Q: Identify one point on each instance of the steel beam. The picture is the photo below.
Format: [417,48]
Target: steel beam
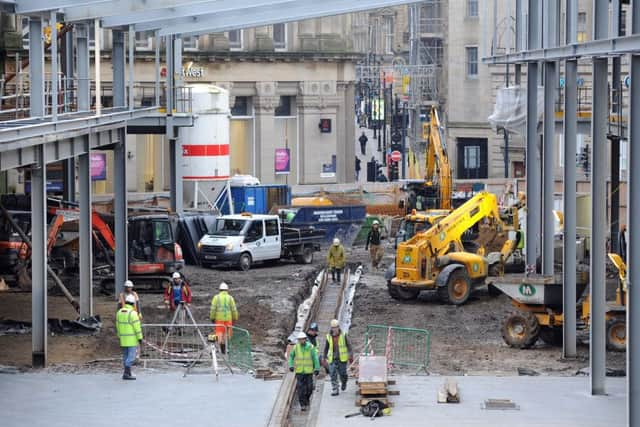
[26,7]
[594,48]
[39,261]
[54,65]
[295,10]
[548,148]
[534,202]
[36,68]
[598,225]
[86,232]
[118,60]
[570,212]
[120,210]
[82,47]
[633,219]
[131,45]
[147,16]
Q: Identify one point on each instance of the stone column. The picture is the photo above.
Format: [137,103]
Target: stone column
[263,151]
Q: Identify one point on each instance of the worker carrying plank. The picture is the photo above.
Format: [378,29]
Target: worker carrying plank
[304,361]
[223,313]
[337,352]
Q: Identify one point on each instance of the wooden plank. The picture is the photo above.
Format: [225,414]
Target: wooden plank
[373,384]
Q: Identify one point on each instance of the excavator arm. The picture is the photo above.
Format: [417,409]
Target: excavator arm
[438,169]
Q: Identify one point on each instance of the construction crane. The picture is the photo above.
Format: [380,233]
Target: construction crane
[436,259]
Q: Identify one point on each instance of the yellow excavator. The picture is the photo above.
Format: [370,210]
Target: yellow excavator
[436,259]
[434,192]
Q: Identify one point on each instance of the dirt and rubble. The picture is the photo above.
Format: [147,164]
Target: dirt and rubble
[464,340]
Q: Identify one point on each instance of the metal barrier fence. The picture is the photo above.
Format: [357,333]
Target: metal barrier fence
[404,347]
[190,343]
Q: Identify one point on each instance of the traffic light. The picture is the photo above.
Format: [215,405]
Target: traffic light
[393,171]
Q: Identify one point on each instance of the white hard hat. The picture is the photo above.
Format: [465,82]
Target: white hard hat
[130,299]
[376,222]
[335,323]
[128,284]
[302,336]
[176,275]
[336,241]
[223,287]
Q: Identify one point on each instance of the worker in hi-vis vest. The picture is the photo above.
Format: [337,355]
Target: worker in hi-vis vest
[223,313]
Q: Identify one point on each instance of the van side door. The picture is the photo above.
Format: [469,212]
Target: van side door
[273,245]
[254,240]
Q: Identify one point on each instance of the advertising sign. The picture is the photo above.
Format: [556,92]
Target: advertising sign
[283,161]
[98,166]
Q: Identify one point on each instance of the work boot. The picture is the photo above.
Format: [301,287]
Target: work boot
[303,408]
[344,386]
[335,392]
[127,374]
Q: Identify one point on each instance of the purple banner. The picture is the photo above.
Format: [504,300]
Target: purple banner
[283,161]
[98,166]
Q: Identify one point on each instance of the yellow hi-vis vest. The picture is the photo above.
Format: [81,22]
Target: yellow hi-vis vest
[223,308]
[304,358]
[342,348]
[128,326]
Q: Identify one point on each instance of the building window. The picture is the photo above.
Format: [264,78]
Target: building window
[241,106]
[430,17]
[144,40]
[472,8]
[472,158]
[280,36]
[388,35]
[285,107]
[623,22]
[235,39]
[518,169]
[190,43]
[582,27]
[472,62]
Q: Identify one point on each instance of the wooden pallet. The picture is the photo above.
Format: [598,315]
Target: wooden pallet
[362,401]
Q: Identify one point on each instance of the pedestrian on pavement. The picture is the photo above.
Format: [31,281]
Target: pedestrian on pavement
[336,259]
[373,244]
[178,293]
[363,143]
[312,334]
[304,361]
[128,290]
[358,168]
[223,313]
[129,333]
[336,354]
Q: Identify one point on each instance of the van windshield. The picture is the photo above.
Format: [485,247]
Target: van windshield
[229,227]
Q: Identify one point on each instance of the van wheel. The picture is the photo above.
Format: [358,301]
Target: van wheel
[245,262]
[306,257]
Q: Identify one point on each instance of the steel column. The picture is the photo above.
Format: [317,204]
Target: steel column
[69,179]
[168,42]
[96,57]
[599,118]
[571,21]
[82,41]
[177,65]
[519,27]
[534,201]
[175,171]
[85,228]
[36,68]
[633,241]
[600,19]
[617,134]
[534,27]
[132,44]
[120,209]
[39,260]
[548,148]
[118,60]
[54,65]
[156,41]
[67,69]
[570,212]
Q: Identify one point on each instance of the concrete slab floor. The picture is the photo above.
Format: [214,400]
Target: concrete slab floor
[543,401]
[154,399]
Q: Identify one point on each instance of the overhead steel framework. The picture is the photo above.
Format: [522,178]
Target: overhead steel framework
[544,51]
[53,132]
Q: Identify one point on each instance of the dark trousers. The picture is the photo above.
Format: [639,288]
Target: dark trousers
[335,271]
[363,148]
[305,388]
[336,367]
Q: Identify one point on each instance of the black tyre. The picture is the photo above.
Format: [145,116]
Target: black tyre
[306,257]
[520,329]
[402,294]
[493,291]
[551,335]
[458,288]
[617,334]
[245,262]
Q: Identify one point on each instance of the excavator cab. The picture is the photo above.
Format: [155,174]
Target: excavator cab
[152,246]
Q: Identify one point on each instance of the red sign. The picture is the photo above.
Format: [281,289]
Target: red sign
[396,156]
